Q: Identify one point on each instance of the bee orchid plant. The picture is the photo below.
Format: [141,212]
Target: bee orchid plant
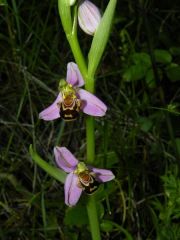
[72,99]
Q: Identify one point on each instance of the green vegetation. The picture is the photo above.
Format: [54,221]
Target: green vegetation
[138,139]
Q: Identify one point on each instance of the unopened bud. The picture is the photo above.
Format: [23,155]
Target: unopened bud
[89,17]
[71,2]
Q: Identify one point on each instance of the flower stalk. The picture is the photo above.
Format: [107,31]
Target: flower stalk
[90,158]
[88,73]
[71,99]
[79,58]
[93,218]
[70,29]
[90,140]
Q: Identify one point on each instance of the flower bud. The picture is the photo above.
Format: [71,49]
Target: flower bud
[71,2]
[89,17]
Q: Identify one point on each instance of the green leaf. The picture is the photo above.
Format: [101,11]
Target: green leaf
[109,226]
[100,209]
[3,2]
[134,73]
[100,38]
[141,58]
[145,123]
[173,73]
[162,56]
[175,51]
[150,79]
[76,216]
[111,159]
[65,15]
[105,190]
[173,108]
[53,171]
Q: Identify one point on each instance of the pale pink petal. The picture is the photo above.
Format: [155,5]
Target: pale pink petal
[103,175]
[52,112]
[71,189]
[74,76]
[89,17]
[91,105]
[65,159]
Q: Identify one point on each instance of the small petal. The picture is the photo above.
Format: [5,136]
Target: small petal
[103,175]
[89,17]
[52,112]
[65,159]
[74,76]
[71,189]
[91,104]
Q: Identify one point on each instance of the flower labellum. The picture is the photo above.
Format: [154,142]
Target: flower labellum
[72,99]
[89,17]
[70,106]
[80,177]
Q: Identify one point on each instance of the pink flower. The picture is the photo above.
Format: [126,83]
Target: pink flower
[72,99]
[81,177]
[89,17]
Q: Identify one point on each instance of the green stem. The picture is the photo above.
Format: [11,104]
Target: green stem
[71,34]
[90,84]
[90,139]
[93,219]
[76,50]
[70,28]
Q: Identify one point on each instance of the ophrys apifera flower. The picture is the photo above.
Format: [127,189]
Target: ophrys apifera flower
[72,99]
[80,176]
